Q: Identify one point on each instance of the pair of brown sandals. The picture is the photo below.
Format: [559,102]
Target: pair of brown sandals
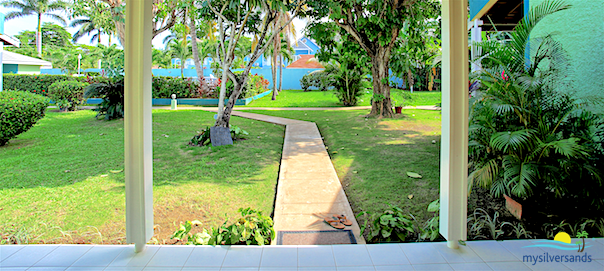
[339,222]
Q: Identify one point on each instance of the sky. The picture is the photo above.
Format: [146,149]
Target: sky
[15,26]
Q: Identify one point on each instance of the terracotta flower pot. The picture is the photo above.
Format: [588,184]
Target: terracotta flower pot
[513,206]
[398,109]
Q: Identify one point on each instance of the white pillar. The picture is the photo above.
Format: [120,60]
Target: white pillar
[454,146]
[476,37]
[1,65]
[137,124]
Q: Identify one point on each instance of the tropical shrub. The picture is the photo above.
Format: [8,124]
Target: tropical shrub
[35,83]
[112,93]
[528,139]
[164,87]
[19,111]
[252,228]
[315,80]
[255,85]
[67,95]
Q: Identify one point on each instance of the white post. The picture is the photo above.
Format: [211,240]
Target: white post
[79,59]
[138,124]
[454,146]
[1,65]
[476,38]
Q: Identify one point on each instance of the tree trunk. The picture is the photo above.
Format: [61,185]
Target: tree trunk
[198,66]
[274,73]
[39,35]
[280,72]
[228,109]
[98,39]
[381,104]
[120,27]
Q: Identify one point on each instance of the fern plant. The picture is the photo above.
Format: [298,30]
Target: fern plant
[112,93]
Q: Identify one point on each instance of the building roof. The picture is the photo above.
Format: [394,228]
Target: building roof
[498,15]
[8,40]
[14,58]
[305,63]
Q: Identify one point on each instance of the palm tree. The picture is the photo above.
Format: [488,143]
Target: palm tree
[86,28]
[38,8]
[289,30]
[287,53]
[520,137]
[181,50]
[582,235]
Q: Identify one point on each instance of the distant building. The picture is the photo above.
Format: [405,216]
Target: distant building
[5,40]
[21,64]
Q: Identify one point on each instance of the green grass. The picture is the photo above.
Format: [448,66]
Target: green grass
[57,185]
[372,156]
[299,98]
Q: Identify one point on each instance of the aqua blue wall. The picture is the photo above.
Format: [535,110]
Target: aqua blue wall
[10,68]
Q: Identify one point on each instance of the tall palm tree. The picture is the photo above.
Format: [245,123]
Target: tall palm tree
[38,8]
[289,31]
[180,50]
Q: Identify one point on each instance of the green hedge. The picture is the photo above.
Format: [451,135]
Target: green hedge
[19,111]
[67,95]
[165,86]
[38,83]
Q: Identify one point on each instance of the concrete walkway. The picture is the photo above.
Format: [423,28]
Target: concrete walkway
[308,188]
[237,108]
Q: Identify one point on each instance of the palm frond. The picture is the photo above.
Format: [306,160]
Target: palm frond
[513,141]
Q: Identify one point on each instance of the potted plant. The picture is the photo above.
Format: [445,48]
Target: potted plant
[401,99]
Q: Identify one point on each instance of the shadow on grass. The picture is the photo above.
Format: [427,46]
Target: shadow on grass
[67,148]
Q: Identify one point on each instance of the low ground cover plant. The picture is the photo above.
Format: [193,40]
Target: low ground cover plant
[19,111]
[67,95]
[252,228]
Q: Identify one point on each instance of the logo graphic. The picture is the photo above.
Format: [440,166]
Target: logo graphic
[562,241]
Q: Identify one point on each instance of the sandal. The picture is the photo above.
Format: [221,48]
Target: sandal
[334,223]
[343,220]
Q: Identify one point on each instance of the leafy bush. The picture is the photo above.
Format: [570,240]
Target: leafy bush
[255,85]
[315,79]
[528,139]
[112,93]
[19,111]
[390,226]
[38,83]
[67,95]
[164,87]
[252,228]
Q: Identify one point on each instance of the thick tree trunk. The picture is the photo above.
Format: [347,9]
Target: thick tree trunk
[198,67]
[381,104]
[228,109]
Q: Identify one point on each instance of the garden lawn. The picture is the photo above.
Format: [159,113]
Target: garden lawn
[63,180]
[372,157]
[315,98]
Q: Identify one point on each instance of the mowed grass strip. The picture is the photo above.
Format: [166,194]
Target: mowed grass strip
[63,180]
[315,98]
[372,157]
